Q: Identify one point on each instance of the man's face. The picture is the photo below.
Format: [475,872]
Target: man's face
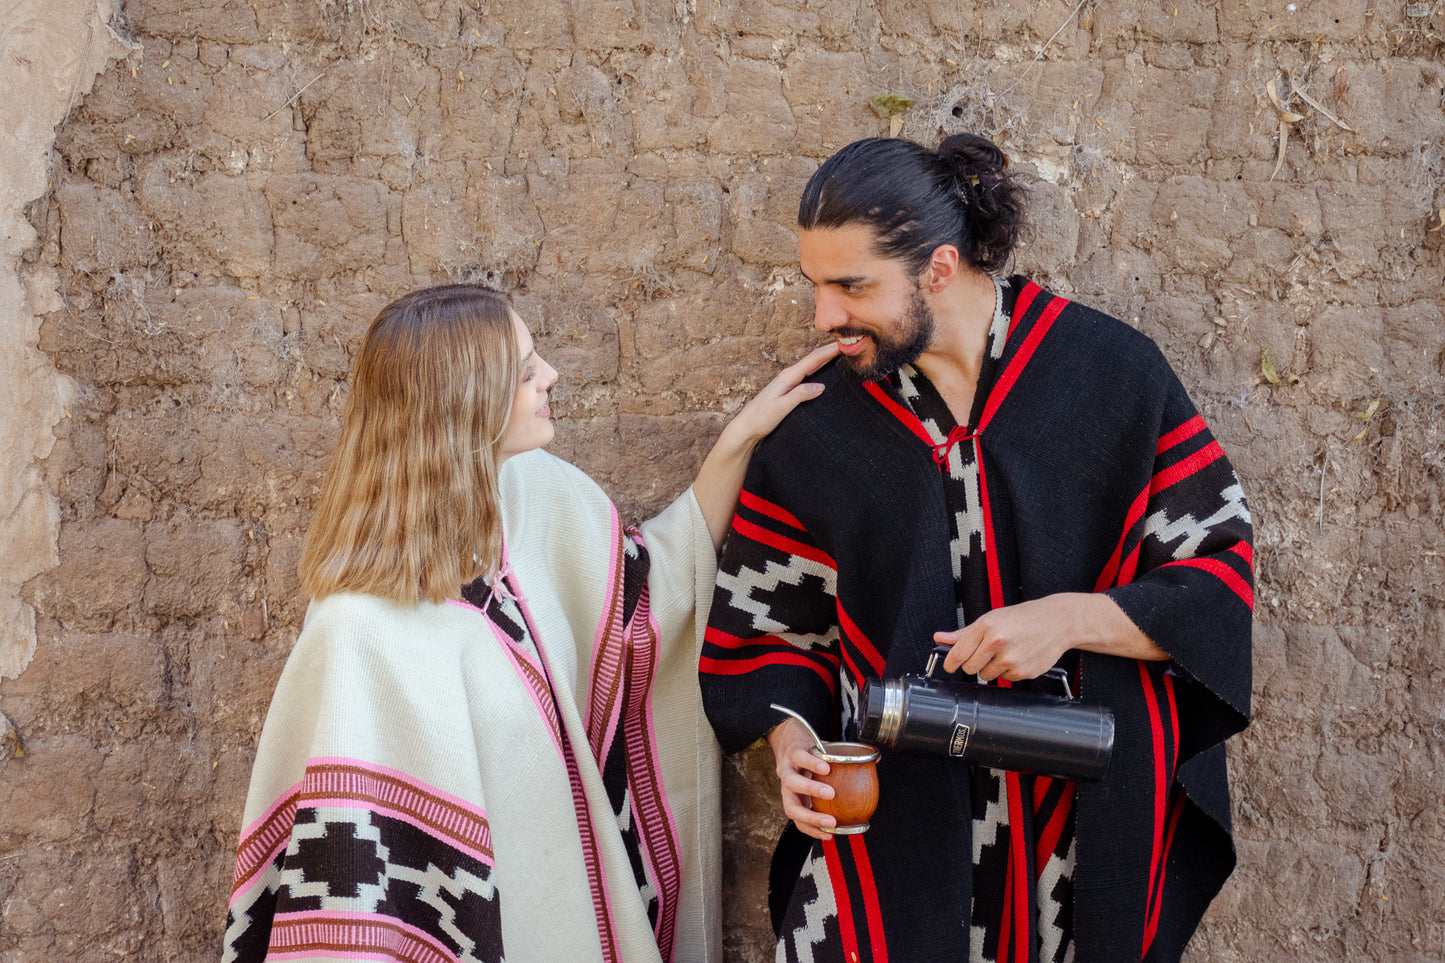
[870,304]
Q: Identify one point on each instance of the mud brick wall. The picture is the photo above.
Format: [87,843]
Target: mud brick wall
[250,180]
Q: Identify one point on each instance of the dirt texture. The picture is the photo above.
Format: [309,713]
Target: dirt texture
[253,179]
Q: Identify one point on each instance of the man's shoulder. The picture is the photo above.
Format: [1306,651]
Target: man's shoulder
[1088,339]
[1104,334]
[1107,361]
[834,377]
[823,417]
[810,430]
[1097,330]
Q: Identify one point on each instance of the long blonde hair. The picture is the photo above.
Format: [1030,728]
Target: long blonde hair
[409,507]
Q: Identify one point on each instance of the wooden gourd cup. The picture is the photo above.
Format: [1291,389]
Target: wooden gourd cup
[853,774]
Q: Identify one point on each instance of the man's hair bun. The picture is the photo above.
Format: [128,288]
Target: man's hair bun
[972,153]
[991,198]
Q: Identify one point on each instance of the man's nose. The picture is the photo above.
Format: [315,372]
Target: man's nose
[828,312]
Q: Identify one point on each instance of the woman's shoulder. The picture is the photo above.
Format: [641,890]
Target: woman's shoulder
[359,625]
[539,471]
[542,492]
[341,611]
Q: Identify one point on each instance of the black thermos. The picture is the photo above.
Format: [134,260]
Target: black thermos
[989,726]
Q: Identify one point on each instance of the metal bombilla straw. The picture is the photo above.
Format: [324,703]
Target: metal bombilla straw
[816,741]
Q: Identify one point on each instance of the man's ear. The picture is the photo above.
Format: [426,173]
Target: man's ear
[942,268]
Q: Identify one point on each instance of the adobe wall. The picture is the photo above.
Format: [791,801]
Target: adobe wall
[252,179]
[49,55]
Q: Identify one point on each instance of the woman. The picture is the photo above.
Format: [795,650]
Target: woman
[487,742]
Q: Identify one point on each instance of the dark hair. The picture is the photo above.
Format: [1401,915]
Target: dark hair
[915,199]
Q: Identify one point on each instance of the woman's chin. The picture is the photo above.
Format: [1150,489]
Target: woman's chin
[543,439]
[540,438]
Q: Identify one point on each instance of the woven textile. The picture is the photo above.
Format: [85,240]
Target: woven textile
[1096,473]
[523,776]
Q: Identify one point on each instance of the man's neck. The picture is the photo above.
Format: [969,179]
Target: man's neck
[963,313]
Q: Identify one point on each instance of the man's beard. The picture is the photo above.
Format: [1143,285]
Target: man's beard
[911,337]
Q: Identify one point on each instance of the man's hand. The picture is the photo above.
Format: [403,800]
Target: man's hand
[1023,641]
[791,752]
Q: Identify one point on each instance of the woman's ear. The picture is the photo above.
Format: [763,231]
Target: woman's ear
[942,269]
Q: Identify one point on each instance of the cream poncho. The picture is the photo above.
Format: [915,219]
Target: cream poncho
[427,789]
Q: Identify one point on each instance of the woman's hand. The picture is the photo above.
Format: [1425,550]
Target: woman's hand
[792,754]
[778,397]
[721,477]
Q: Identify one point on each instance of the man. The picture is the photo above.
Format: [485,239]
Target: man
[1025,479]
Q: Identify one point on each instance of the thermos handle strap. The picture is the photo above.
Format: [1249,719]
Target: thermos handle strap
[1062,674]
[935,660]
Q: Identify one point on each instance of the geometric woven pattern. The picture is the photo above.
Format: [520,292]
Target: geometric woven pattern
[999,849]
[624,663]
[1191,532]
[811,931]
[385,870]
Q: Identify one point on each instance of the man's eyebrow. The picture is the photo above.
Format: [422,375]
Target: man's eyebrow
[847,280]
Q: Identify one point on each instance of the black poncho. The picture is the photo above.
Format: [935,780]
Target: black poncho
[1097,474]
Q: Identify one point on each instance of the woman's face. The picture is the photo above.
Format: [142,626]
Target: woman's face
[531,423]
